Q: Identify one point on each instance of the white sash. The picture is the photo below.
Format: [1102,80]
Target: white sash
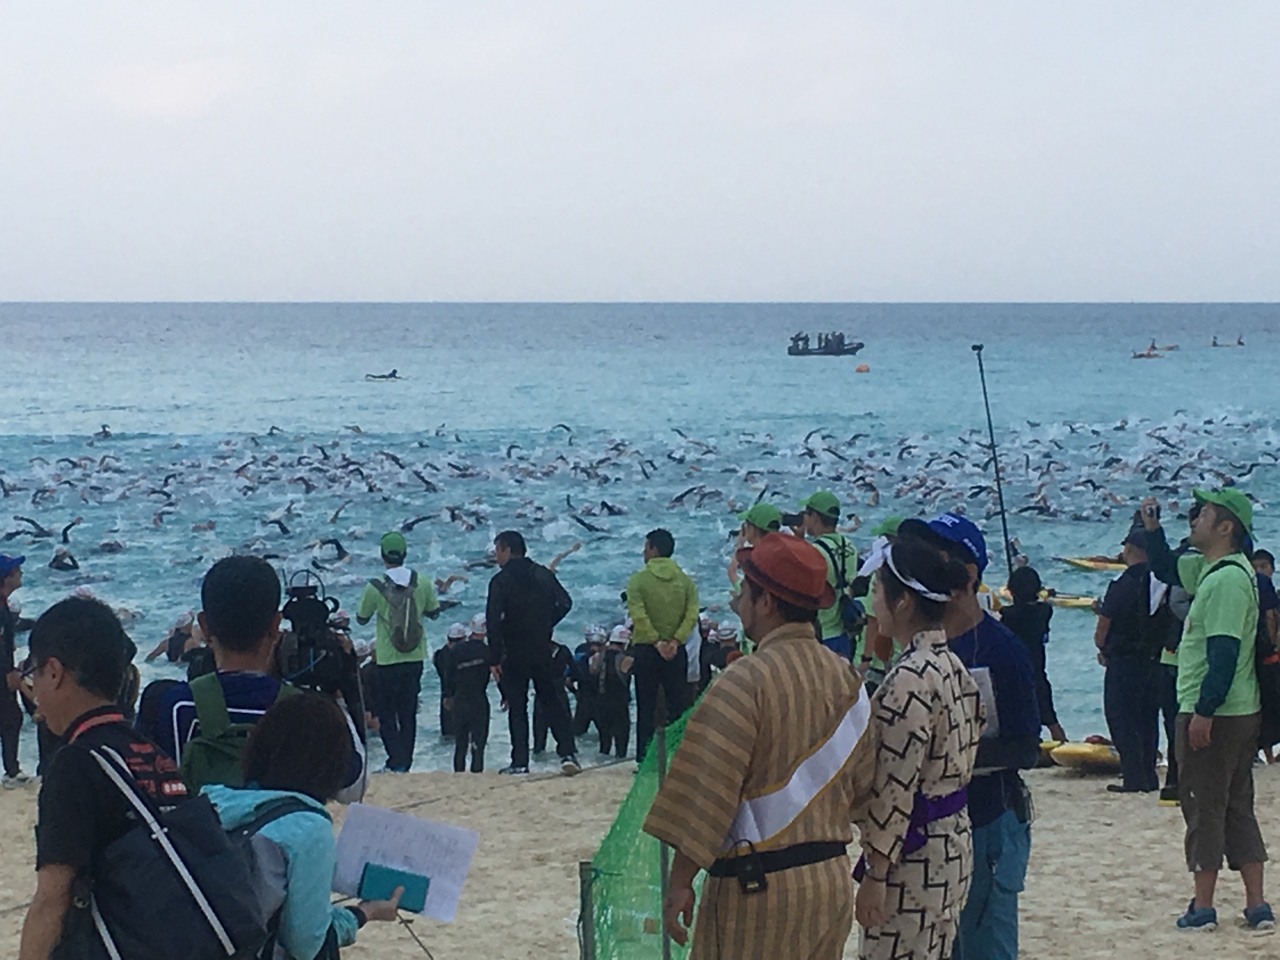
[763,818]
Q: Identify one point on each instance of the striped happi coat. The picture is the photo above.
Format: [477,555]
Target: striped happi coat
[792,704]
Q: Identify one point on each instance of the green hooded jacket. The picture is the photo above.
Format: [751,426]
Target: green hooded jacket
[662,602]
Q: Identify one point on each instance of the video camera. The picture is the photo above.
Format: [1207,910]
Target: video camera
[312,654]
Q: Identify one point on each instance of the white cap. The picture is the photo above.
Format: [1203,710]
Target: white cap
[479,625]
[456,631]
[727,633]
[620,634]
[595,632]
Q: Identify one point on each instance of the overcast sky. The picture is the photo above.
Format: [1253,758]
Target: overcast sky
[415,150]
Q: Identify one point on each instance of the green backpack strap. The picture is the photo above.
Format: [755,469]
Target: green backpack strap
[211,706]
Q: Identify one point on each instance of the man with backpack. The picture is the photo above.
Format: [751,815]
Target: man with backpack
[1129,647]
[1219,708]
[400,599]
[78,660]
[837,622]
[203,724]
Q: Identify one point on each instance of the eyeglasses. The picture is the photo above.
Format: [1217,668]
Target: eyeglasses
[28,673]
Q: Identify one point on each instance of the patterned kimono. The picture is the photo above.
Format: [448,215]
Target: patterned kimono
[744,770]
[926,719]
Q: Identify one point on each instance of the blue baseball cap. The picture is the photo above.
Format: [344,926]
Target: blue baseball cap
[955,529]
[8,564]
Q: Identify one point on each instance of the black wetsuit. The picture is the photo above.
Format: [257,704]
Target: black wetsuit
[562,669]
[613,703]
[587,696]
[440,660]
[10,712]
[467,670]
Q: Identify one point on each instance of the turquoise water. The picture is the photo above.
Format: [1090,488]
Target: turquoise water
[657,399]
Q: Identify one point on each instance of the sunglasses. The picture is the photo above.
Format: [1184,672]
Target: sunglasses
[31,671]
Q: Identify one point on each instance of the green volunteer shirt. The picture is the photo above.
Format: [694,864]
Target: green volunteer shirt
[372,602]
[829,619]
[1223,605]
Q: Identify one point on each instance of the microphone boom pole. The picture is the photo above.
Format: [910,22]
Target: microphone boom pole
[995,460]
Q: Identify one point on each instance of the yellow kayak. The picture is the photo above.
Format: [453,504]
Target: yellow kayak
[1093,563]
[1070,601]
[1088,757]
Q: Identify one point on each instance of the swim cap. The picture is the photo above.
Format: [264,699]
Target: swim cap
[456,631]
[479,625]
[620,634]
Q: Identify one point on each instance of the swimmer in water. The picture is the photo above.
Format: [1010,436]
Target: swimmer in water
[63,560]
[393,375]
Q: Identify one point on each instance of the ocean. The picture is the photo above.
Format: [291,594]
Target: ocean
[530,416]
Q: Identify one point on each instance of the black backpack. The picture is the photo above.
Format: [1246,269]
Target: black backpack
[853,615]
[175,885]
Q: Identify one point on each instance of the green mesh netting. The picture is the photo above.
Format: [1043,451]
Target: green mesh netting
[627,890]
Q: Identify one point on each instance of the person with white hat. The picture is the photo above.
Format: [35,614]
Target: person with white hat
[440,659]
[611,672]
[467,679]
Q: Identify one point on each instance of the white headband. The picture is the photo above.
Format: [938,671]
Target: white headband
[882,555]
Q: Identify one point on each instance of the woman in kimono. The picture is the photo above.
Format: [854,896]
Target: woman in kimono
[926,719]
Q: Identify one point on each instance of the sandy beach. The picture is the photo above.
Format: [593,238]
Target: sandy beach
[1106,876]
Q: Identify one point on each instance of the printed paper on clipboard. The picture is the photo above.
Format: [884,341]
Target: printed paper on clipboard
[401,841]
[987,691]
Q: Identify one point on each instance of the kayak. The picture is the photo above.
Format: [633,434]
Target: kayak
[1068,601]
[1087,757]
[1093,563]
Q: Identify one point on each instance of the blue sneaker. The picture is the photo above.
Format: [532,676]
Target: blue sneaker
[1260,917]
[1205,919]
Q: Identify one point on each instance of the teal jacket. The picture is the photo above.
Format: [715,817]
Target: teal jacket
[310,854]
[662,602]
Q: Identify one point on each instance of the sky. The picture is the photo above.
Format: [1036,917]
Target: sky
[689,151]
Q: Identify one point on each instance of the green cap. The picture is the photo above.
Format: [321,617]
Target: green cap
[393,545]
[823,502]
[763,515]
[887,528]
[1231,499]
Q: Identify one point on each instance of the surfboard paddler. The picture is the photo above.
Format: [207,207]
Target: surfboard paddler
[760,789]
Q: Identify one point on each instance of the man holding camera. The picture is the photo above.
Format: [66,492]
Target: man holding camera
[821,511]
[400,600]
[204,724]
[1219,707]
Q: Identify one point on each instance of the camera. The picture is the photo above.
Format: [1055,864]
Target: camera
[311,653]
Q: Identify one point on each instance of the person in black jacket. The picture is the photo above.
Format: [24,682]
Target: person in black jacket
[526,601]
[1028,617]
[1131,654]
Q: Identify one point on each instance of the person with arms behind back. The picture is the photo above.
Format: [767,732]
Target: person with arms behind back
[1218,700]
[295,761]
[78,654]
[663,605]
[399,599]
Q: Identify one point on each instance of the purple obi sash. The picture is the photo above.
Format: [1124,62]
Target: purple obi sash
[924,810]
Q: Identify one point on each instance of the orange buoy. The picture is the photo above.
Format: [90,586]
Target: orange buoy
[862,368]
